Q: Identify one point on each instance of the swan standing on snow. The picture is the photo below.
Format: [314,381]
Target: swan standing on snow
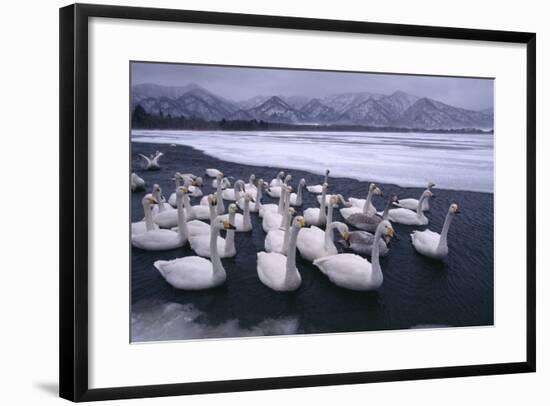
[226,247]
[272,220]
[257,201]
[318,188]
[369,223]
[242,222]
[296,198]
[278,181]
[317,216]
[196,273]
[277,240]
[142,226]
[409,217]
[364,206]
[151,163]
[353,272]
[412,204]
[159,239]
[432,244]
[278,271]
[136,183]
[275,191]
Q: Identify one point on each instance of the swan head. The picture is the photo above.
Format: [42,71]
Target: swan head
[233,208]
[334,200]
[299,222]
[220,224]
[197,181]
[289,189]
[147,201]
[248,198]
[342,228]
[292,211]
[302,182]
[212,200]
[428,194]
[181,191]
[280,174]
[288,178]
[327,172]
[454,209]
[430,185]
[394,199]
[386,228]
[252,178]
[375,189]
[262,183]
[219,176]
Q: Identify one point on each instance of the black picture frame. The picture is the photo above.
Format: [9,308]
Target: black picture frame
[74,170]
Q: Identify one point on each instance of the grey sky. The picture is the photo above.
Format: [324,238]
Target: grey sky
[243,83]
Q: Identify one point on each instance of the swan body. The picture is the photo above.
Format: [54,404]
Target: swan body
[367,222]
[412,204]
[409,217]
[197,227]
[169,218]
[147,224]
[278,271]
[275,191]
[277,240]
[213,173]
[314,243]
[159,239]
[278,181]
[254,208]
[317,189]
[241,222]
[136,183]
[432,244]
[234,193]
[362,242]
[201,243]
[196,273]
[317,216]
[351,271]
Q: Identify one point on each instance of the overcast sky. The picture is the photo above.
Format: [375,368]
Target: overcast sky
[243,83]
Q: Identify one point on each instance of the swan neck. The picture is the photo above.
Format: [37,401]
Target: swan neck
[443,237]
[323,208]
[367,202]
[282,200]
[214,255]
[287,234]
[375,256]
[290,275]
[419,211]
[258,197]
[247,224]
[386,210]
[148,217]
[329,244]
[230,236]
[182,225]
[329,212]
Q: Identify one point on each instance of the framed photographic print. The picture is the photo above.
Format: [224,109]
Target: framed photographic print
[256,202]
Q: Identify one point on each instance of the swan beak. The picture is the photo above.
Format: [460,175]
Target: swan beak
[346,236]
[457,210]
[390,232]
[228,226]
[302,222]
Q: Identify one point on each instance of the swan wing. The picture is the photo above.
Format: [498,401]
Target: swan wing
[410,204]
[146,158]
[157,240]
[271,268]
[311,215]
[349,271]
[274,241]
[311,243]
[201,245]
[189,273]
[315,189]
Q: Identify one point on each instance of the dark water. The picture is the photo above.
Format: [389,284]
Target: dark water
[417,291]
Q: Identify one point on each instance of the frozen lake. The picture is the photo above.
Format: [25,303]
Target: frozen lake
[452,161]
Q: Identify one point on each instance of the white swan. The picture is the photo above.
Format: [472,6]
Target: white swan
[196,273]
[272,220]
[275,191]
[273,208]
[254,208]
[159,239]
[296,198]
[191,184]
[169,218]
[213,173]
[225,183]
[318,188]
[151,163]
[432,244]
[234,193]
[278,181]
[340,199]
[370,222]
[317,216]
[242,222]
[142,226]
[411,204]
[220,207]
[353,272]
[364,206]
[409,217]
[316,243]
[250,187]
[162,205]
[278,271]
[197,227]
[136,183]
[226,247]
[277,240]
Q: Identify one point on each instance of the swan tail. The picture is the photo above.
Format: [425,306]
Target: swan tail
[160,267]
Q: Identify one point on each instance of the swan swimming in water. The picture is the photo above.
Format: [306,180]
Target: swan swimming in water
[160,239]
[234,193]
[220,206]
[275,191]
[409,217]
[278,271]
[272,220]
[278,181]
[136,183]
[198,227]
[354,272]
[151,163]
[250,187]
[432,244]
[274,208]
[296,198]
[319,188]
[142,226]
[317,216]
[411,204]
[370,222]
[277,240]
[226,247]
[193,272]
[258,200]
[241,222]
[364,206]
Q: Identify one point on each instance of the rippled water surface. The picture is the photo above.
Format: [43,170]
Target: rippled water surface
[417,291]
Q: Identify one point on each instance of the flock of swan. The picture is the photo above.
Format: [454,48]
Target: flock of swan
[173,223]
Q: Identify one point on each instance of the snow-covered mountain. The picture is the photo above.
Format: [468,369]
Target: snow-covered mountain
[398,109]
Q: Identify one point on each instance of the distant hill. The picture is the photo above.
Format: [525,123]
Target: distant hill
[397,110]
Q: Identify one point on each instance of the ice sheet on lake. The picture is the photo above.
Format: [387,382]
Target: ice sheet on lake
[452,161]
